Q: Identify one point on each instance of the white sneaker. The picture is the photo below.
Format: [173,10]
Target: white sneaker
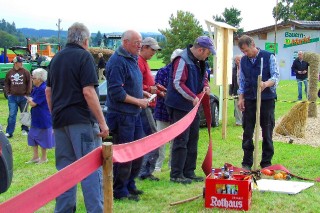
[8,135]
[157,169]
[24,132]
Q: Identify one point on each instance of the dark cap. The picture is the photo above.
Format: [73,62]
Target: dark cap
[206,42]
[17,59]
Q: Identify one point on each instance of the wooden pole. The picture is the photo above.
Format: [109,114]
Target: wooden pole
[225,84]
[107,177]
[256,136]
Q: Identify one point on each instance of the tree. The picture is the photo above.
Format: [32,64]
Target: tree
[96,41]
[308,10]
[7,40]
[297,10]
[184,29]
[232,17]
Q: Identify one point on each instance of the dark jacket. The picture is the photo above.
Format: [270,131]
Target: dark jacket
[300,66]
[123,77]
[251,73]
[233,89]
[102,63]
[195,71]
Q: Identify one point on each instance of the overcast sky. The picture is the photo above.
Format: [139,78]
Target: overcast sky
[120,15]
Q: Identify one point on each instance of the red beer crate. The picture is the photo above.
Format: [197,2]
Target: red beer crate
[228,194]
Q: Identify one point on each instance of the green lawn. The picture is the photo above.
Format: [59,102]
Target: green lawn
[301,160]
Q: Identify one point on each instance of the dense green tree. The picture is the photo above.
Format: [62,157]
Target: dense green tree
[232,17]
[297,10]
[308,10]
[184,28]
[7,40]
[96,41]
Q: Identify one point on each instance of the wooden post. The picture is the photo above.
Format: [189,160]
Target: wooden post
[107,177]
[225,83]
[223,39]
[256,136]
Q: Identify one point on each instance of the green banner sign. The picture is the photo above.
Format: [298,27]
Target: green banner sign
[271,47]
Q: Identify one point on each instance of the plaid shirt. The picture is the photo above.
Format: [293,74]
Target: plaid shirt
[160,111]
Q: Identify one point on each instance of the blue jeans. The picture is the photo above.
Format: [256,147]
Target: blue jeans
[72,143]
[305,81]
[149,159]
[15,101]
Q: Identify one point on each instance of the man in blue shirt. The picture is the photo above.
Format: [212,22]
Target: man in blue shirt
[250,66]
[125,99]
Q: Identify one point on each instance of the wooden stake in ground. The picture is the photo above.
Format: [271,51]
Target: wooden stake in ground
[256,135]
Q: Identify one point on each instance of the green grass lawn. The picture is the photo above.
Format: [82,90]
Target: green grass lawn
[302,160]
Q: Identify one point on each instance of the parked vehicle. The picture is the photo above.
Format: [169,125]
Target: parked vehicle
[214,105]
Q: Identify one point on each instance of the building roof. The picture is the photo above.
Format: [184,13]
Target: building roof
[295,24]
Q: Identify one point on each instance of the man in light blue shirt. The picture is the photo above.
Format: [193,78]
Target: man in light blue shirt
[250,69]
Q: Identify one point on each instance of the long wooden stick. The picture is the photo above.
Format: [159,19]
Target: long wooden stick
[256,136]
[185,201]
[107,177]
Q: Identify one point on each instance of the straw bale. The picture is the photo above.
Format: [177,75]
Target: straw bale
[95,51]
[314,61]
[294,123]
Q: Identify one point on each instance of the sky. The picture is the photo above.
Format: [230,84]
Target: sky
[109,16]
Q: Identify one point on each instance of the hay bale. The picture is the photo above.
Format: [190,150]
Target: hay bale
[95,51]
[314,61]
[294,123]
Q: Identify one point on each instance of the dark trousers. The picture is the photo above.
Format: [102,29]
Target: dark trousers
[184,147]
[125,128]
[267,125]
[149,127]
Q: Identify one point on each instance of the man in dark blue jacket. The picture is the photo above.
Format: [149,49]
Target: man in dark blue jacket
[187,79]
[125,99]
[250,68]
[300,67]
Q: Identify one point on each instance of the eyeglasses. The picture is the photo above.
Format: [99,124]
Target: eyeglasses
[137,43]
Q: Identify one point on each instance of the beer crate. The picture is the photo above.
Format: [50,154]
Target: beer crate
[232,194]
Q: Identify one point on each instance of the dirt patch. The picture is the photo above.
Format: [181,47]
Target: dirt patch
[312,134]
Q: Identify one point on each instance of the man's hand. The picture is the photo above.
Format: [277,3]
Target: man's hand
[143,103]
[195,101]
[241,103]
[104,131]
[206,90]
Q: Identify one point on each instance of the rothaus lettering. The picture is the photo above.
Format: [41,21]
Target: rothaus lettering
[224,203]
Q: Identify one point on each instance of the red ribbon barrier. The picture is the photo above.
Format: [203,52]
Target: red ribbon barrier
[207,162]
[42,193]
[37,196]
[130,151]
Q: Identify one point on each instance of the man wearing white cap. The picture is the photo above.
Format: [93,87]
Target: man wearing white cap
[149,47]
[187,79]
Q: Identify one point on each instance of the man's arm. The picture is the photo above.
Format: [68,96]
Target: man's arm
[93,102]
[48,97]
[274,72]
